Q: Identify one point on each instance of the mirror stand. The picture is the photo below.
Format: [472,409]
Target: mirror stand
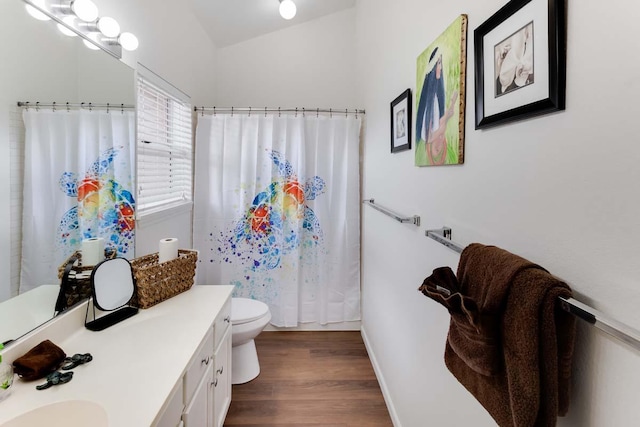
[108,319]
[112,286]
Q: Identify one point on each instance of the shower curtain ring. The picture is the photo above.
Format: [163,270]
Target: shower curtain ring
[68,110]
[303,111]
[37,105]
[345,113]
[265,111]
[203,111]
[317,113]
[107,108]
[249,111]
[26,104]
[296,111]
[331,113]
[278,111]
[356,110]
[53,106]
[121,108]
[90,107]
[231,111]
[214,111]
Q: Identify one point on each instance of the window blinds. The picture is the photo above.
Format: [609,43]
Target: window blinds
[164,155]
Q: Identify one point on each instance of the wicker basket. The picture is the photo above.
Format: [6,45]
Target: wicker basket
[79,277]
[156,282]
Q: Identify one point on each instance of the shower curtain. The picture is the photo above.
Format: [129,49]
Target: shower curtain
[78,183]
[276,213]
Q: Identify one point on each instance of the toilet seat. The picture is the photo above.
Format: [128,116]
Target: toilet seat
[245,310]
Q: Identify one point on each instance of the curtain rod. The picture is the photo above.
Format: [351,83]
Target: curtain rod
[265,110]
[589,314]
[68,105]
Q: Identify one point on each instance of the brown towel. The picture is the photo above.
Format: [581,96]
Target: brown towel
[514,353]
[40,361]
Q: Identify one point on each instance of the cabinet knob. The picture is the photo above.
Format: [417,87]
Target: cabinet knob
[206,361]
[227,319]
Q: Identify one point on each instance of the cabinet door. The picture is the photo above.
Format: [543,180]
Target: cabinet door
[222,380]
[198,412]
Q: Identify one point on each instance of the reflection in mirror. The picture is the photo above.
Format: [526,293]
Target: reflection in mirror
[43,65]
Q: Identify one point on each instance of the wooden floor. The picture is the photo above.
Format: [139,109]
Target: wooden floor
[310,379]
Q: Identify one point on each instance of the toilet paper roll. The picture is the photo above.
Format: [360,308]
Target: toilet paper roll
[168,249]
[92,251]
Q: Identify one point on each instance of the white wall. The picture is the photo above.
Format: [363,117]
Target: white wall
[307,65]
[555,189]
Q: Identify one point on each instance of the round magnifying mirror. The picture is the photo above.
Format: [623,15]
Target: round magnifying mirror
[112,283]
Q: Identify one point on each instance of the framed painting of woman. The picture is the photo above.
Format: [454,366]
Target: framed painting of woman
[440,100]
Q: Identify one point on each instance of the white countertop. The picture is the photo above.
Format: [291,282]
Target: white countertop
[136,363]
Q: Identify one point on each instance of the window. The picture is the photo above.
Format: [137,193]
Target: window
[164,146]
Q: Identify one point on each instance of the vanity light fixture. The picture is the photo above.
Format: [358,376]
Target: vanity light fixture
[128,41]
[81,18]
[287,9]
[108,26]
[85,10]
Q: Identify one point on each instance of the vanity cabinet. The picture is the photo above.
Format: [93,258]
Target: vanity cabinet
[205,389]
[172,363]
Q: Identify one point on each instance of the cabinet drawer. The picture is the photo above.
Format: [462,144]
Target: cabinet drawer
[222,322]
[198,366]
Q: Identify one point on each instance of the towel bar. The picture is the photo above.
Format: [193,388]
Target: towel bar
[413,219]
[589,314]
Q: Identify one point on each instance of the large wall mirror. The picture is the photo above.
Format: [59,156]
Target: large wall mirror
[40,64]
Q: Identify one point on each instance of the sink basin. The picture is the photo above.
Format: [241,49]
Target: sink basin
[68,413]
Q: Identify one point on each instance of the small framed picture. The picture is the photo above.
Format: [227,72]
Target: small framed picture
[520,62]
[401,122]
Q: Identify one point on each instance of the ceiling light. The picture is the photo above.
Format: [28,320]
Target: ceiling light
[128,41]
[108,26]
[86,10]
[64,30]
[287,9]
[35,12]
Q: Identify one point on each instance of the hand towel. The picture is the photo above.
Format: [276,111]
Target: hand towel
[40,361]
[514,354]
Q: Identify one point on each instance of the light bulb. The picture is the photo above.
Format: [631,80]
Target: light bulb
[64,30]
[287,9]
[35,12]
[128,41]
[108,26]
[89,44]
[85,10]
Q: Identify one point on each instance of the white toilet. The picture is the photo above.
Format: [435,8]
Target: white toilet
[248,318]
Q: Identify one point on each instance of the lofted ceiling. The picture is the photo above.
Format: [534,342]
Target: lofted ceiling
[232,21]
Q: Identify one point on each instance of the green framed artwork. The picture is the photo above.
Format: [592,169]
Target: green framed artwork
[440,101]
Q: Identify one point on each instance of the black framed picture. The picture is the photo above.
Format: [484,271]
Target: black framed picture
[520,62]
[401,122]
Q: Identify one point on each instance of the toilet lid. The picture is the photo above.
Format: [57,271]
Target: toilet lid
[244,310]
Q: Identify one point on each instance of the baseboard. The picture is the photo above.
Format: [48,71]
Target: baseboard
[313,326]
[381,381]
